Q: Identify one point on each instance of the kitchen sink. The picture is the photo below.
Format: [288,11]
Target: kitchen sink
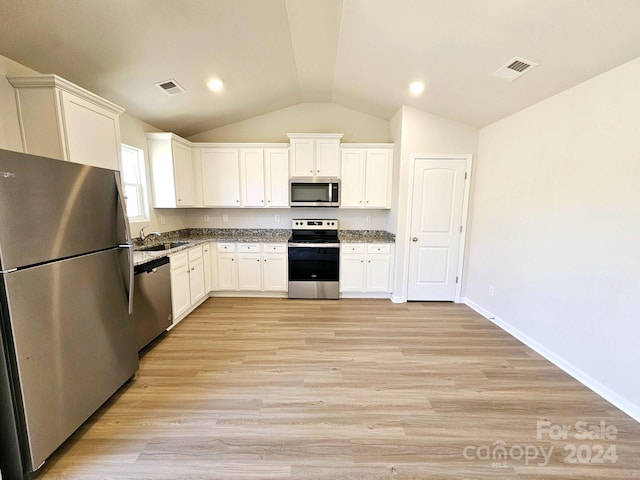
[161,247]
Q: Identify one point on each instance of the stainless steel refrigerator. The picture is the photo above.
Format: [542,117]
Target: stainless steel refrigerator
[65,295]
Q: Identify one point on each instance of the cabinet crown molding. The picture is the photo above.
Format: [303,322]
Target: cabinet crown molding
[54,81]
[315,135]
[367,145]
[168,136]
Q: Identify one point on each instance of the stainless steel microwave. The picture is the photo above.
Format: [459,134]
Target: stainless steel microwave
[317,192]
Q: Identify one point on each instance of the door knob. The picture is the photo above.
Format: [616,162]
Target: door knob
[414,239]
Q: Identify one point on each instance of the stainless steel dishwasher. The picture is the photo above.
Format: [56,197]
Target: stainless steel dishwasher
[152,300]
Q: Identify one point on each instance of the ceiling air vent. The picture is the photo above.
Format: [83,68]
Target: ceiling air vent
[170,87]
[514,69]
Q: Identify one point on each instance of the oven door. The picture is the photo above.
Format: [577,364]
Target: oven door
[314,270]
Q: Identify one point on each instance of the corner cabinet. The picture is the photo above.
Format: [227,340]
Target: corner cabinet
[61,120]
[315,154]
[366,175]
[172,171]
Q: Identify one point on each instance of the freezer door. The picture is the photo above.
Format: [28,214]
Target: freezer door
[50,209]
[73,344]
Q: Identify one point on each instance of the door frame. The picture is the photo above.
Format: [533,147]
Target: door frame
[465,210]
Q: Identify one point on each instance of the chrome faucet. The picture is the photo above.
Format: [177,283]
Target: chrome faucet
[143,237]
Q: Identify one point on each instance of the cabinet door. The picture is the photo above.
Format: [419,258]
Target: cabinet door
[378,178]
[249,272]
[352,273]
[220,177]
[352,178]
[92,133]
[378,273]
[183,174]
[196,272]
[180,289]
[276,162]
[206,260]
[214,267]
[227,271]
[327,157]
[252,177]
[302,155]
[274,272]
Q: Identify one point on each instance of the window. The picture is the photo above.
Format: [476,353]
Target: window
[134,182]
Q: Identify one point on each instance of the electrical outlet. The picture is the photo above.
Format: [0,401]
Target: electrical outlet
[225,217]
[206,219]
[492,290]
[368,218]
[162,220]
[276,219]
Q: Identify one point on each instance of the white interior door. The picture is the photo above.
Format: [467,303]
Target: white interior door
[436,224]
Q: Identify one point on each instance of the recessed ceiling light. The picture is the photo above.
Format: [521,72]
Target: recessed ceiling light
[416,88]
[215,85]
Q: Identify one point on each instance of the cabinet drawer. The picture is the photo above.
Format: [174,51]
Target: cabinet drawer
[379,248]
[226,247]
[179,261]
[194,254]
[249,247]
[274,248]
[352,248]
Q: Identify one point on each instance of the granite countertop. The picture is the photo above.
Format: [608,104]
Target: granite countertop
[366,236]
[196,236]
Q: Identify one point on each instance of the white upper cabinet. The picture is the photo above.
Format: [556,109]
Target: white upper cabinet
[315,155]
[276,178]
[172,171]
[245,175]
[220,176]
[366,174]
[61,120]
[252,177]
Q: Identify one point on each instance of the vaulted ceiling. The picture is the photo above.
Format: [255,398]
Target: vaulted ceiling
[360,54]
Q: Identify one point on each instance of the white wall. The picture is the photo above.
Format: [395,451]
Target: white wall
[302,118]
[132,133]
[556,230]
[420,133]
[10,138]
[349,219]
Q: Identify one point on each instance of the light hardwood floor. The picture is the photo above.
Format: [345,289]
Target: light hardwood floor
[348,389]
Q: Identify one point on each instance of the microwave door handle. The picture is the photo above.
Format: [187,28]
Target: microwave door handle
[330,197]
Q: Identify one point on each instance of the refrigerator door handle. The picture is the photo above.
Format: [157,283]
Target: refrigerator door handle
[128,245]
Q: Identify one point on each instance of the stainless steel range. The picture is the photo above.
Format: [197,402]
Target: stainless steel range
[314,259]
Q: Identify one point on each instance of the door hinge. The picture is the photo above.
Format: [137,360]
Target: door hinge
[456,279]
[460,228]
[465,175]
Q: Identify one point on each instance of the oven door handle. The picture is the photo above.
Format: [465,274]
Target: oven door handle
[315,245]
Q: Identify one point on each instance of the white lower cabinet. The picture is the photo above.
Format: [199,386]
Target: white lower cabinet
[226,271]
[275,263]
[180,289]
[206,260]
[365,267]
[251,267]
[187,281]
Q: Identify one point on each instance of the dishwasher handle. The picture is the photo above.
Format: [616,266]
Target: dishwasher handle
[152,266]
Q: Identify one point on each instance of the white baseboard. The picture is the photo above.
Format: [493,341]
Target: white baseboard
[244,293]
[386,295]
[627,406]
[398,299]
